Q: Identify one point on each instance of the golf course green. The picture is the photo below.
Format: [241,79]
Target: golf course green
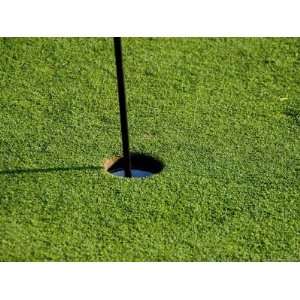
[221,114]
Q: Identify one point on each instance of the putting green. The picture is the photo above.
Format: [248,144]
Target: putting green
[223,115]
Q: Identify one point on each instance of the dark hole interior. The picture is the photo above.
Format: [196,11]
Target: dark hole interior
[142,165]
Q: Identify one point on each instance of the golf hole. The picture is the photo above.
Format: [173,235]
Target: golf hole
[142,166]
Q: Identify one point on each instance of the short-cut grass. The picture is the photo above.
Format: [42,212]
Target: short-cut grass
[223,115]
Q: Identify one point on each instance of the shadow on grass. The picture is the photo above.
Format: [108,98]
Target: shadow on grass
[294,114]
[50,170]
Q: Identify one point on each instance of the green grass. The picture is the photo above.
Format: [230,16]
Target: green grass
[222,114]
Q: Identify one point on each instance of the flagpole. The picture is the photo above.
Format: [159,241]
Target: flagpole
[122,106]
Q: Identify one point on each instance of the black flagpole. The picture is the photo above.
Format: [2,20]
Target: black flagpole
[122,105]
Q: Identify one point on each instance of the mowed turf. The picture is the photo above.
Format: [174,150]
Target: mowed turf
[222,114]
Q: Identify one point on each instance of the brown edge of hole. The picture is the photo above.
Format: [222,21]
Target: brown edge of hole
[141,161]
